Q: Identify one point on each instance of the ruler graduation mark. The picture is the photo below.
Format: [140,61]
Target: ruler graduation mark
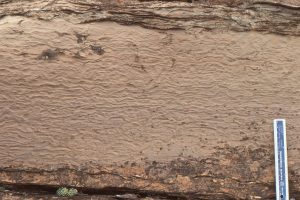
[281,170]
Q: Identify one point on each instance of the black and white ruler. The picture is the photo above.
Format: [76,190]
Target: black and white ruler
[281,166]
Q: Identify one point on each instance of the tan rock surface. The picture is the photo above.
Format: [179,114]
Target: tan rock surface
[170,97]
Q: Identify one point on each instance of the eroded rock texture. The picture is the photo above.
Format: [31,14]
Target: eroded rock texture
[170,97]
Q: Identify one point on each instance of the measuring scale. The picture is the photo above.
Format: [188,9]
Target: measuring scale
[281,169]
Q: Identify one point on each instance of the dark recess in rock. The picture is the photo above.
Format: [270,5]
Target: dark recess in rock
[48,54]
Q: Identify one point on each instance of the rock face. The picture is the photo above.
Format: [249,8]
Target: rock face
[169,97]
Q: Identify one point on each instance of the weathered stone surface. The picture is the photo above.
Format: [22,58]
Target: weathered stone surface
[175,97]
[269,16]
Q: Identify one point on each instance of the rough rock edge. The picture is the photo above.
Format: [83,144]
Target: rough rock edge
[264,16]
[231,173]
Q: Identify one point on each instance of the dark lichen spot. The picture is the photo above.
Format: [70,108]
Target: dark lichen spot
[245,138]
[97,49]
[154,163]
[80,37]
[49,54]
